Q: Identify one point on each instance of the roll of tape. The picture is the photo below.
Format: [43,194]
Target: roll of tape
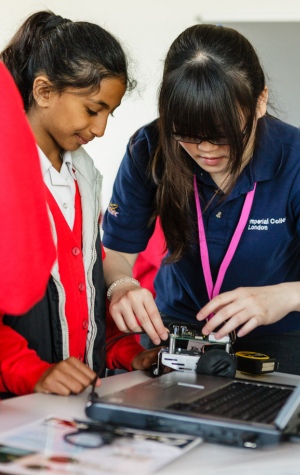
[253,362]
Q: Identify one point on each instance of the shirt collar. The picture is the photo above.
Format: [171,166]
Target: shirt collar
[46,164]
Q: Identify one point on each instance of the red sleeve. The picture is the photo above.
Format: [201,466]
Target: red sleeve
[148,261]
[21,368]
[103,252]
[121,348]
[27,250]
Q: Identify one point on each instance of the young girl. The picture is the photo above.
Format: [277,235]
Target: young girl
[224,177]
[72,76]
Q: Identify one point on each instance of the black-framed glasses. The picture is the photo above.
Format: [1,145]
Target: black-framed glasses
[198,140]
[91,435]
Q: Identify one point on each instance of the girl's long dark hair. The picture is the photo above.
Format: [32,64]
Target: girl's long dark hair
[71,54]
[212,76]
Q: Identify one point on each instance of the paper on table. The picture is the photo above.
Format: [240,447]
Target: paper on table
[40,448]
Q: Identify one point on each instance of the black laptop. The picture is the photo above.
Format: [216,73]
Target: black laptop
[235,412]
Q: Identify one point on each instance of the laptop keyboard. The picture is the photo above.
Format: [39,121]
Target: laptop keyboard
[240,400]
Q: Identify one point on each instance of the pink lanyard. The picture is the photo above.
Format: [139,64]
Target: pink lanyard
[212,289]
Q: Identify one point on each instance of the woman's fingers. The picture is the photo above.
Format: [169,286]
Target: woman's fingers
[246,308]
[136,311]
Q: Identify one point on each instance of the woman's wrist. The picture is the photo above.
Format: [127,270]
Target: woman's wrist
[119,282]
[291,290]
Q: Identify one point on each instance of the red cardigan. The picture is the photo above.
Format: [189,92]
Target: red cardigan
[21,367]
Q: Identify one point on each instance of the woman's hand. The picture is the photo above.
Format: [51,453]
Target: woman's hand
[70,376]
[134,310]
[248,307]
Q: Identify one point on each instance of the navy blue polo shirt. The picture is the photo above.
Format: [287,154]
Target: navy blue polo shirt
[269,249]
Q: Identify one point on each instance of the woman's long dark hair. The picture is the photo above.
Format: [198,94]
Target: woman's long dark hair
[212,76]
[71,54]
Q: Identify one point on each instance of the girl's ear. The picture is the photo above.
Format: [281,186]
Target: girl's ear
[261,107]
[42,91]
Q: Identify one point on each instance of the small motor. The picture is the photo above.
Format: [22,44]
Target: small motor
[191,351]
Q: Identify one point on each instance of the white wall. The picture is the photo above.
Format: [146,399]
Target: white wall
[146,30]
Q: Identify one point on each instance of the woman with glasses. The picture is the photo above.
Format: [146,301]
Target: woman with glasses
[224,178]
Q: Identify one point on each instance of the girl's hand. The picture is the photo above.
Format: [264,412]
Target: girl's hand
[248,307]
[148,358]
[70,376]
[145,359]
[134,310]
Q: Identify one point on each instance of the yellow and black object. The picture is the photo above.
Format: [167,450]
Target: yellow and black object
[253,362]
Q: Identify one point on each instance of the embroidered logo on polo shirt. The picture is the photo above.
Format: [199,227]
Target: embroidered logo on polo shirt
[112,209]
[263,224]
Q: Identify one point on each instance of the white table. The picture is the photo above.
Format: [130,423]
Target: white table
[206,459]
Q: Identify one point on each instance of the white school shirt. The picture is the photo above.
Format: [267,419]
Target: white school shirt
[61,184]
